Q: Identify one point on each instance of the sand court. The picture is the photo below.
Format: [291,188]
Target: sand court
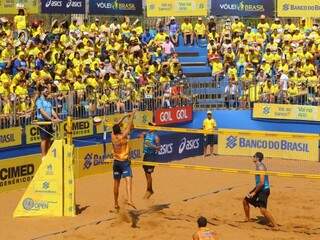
[181,196]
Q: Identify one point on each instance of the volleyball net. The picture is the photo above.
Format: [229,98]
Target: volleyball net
[286,154]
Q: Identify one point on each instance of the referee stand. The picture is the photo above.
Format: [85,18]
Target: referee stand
[51,192]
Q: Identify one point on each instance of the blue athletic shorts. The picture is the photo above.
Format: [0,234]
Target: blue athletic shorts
[121,169]
[148,158]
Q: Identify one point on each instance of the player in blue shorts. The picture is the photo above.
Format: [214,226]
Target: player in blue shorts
[151,145]
[258,197]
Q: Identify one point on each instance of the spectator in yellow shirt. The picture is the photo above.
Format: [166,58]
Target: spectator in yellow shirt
[200,30]
[160,37]
[237,26]
[209,125]
[308,67]
[292,93]
[290,26]
[20,20]
[94,27]
[21,90]
[268,56]
[73,26]
[276,25]
[217,69]
[267,92]
[249,35]
[187,32]
[263,24]
[248,76]
[266,67]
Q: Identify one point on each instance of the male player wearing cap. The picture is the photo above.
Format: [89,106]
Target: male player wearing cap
[151,145]
[209,125]
[258,197]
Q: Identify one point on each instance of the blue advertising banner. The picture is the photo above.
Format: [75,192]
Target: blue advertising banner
[179,146]
[116,7]
[63,6]
[244,8]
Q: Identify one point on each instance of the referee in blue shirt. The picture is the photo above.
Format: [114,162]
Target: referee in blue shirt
[45,112]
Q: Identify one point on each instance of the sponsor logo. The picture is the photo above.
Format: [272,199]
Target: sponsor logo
[266,110]
[180,115]
[144,118]
[92,159]
[285,7]
[231,142]
[174,115]
[7,138]
[31,204]
[166,149]
[69,3]
[291,7]
[79,128]
[16,174]
[45,188]
[74,4]
[282,145]
[188,145]
[53,3]
[152,6]
[116,5]
[165,117]
[243,6]
[45,185]
[49,171]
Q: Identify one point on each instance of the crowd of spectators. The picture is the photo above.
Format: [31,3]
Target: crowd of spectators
[108,66]
[273,62]
[117,65]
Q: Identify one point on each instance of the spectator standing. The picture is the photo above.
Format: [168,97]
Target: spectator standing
[209,125]
[231,94]
[20,20]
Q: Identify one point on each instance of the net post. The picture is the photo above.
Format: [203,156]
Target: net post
[69,117]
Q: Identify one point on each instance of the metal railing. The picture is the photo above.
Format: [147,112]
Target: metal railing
[21,110]
[240,95]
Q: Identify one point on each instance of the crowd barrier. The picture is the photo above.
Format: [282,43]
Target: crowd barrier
[84,127]
[92,102]
[16,136]
[220,94]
